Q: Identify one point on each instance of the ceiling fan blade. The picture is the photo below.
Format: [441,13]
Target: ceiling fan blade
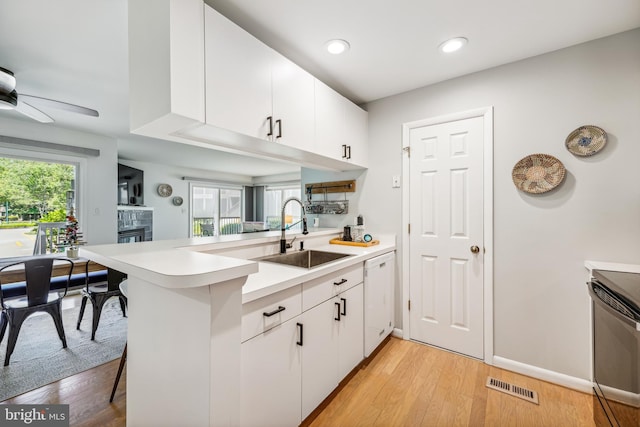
[60,105]
[32,112]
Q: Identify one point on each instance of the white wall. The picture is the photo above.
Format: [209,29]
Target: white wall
[97,196]
[541,241]
[170,221]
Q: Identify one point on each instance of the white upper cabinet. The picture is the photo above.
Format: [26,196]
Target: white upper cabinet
[293,106]
[253,90]
[196,77]
[238,78]
[329,119]
[356,133]
[341,127]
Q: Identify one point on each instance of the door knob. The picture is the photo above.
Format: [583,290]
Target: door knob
[475,249]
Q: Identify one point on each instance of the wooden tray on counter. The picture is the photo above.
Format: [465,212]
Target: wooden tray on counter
[342,242]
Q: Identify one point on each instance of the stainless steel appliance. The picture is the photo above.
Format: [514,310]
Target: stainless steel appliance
[616,348]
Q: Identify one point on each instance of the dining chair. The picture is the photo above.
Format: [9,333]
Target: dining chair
[99,294]
[37,274]
[124,288]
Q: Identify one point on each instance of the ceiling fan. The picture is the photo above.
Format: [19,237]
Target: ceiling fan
[10,100]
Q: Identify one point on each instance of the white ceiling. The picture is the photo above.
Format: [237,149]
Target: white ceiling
[76,51]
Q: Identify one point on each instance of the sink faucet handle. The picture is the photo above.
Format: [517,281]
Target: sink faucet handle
[290,244]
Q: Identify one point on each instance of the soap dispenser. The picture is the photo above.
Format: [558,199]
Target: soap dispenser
[358,229]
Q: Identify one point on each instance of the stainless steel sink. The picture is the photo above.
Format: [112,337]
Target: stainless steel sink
[304,259]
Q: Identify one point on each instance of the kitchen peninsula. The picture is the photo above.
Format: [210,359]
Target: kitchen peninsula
[186,301]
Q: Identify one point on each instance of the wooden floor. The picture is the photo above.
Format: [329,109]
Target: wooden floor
[409,384]
[405,384]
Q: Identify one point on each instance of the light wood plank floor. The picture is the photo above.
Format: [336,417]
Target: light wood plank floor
[410,384]
[405,384]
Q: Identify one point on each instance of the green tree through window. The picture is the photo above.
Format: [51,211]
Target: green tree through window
[29,187]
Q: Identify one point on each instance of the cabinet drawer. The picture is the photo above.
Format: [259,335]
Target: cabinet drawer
[321,289]
[265,313]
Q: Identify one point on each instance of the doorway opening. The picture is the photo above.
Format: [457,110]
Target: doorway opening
[462,262]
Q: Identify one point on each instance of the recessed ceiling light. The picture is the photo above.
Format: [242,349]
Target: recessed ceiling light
[337,46]
[453,44]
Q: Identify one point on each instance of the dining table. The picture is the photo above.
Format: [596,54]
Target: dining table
[80,266]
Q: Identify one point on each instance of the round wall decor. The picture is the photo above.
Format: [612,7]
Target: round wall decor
[586,140]
[164,190]
[177,201]
[538,173]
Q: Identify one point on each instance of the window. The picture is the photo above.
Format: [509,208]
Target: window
[215,210]
[35,198]
[274,196]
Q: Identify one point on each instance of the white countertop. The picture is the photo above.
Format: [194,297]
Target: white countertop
[181,263]
[273,278]
[611,266]
[170,268]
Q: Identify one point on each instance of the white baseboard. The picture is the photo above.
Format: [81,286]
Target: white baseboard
[568,381]
[397,333]
[554,377]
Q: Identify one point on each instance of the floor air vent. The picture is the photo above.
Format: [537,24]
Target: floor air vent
[513,390]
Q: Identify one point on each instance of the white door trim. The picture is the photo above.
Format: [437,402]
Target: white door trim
[487,114]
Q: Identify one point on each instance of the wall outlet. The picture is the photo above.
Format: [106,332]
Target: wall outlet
[395,182]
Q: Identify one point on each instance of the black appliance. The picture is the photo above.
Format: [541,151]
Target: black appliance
[130,186]
[616,348]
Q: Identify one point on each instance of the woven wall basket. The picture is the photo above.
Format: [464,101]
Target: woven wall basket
[586,140]
[538,173]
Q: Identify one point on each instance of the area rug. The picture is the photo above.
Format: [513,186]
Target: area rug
[39,359]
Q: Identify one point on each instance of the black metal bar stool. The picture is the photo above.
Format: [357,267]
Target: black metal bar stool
[99,294]
[123,288]
[40,297]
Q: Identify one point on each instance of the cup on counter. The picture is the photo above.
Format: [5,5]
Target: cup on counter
[346,235]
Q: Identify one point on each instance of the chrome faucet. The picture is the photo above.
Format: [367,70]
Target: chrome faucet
[283,239]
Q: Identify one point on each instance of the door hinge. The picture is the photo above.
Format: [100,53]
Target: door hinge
[409,228]
[409,305]
[407,150]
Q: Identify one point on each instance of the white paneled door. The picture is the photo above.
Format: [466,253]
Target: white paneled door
[446,236]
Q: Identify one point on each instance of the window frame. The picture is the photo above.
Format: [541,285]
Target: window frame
[218,186]
[281,187]
[80,164]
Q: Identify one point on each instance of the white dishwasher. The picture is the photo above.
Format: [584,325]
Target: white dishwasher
[379,280]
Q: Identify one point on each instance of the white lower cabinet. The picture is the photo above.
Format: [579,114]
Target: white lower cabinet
[333,345]
[320,354]
[351,330]
[270,377]
[289,369]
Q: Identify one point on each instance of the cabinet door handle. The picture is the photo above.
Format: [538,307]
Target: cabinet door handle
[348,151]
[340,282]
[344,151]
[276,311]
[344,306]
[270,120]
[279,124]
[337,318]
[300,333]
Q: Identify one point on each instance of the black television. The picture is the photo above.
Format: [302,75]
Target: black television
[130,186]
